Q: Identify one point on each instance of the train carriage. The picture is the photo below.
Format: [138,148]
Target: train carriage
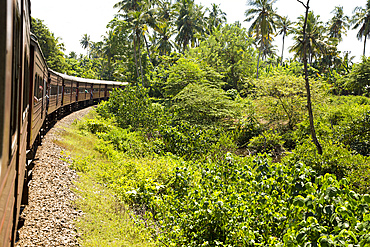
[38,85]
[14,109]
[54,92]
[30,95]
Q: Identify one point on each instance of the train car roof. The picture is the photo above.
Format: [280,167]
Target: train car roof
[85,80]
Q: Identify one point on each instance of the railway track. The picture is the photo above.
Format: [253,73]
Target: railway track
[48,219]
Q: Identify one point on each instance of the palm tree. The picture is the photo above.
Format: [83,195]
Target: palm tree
[216,17]
[339,24]
[361,19]
[138,16]
[165,10]
[164,32]
[127,5]
[284,28]
[85,42]
[189,22]
[264,22]
[314,37]
[305,41]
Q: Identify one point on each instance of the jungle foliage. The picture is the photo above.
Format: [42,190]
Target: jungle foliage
[205,152]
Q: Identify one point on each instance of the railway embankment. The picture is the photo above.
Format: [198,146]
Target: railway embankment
[50,216]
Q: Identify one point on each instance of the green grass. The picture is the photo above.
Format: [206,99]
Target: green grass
[106,221]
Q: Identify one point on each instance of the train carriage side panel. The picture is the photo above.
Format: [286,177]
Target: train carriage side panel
[81,91]
[67,88]
[22,115]
[60,92]
[96,91]
[13,46]
[53,92]
[74,92]
[38,94]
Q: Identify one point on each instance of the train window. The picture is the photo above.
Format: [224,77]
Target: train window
[54,90]
[25,85]
[14,104]
[35,86]
[81,87]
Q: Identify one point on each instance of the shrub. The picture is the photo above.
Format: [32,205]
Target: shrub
[132,107]
[267,142]
[336,160]
[192,141]
[205,105]
[253,202]
[356,134]
[246,129]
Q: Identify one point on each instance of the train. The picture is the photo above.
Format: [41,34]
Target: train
[31,96]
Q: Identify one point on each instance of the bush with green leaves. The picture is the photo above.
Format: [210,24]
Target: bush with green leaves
[356,134]
[281,98]
[253,202]
[336,160]
[267,142]
[205,105]
[248,125]
[132,107]
[191,141]
[357,81]
[186,71]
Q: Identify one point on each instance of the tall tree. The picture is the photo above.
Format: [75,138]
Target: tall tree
[138,15]
[127,5]
[264,19]
[284,27]
[216,17]
[361,19]
[164,32]
[305,42]
[189,22]
[314,35]
[50,45]
[85,43]
[339,24]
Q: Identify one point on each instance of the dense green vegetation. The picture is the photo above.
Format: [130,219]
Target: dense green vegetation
[211,143]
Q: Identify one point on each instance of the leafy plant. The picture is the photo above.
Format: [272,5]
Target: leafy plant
[205,105]
[267,142]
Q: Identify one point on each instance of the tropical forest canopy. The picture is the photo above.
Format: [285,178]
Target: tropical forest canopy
[216,139]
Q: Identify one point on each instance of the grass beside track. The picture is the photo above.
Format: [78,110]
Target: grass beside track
[106,221]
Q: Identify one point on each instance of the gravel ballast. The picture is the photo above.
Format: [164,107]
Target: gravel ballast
[50,213]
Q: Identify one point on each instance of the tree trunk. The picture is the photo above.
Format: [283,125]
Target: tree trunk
[147,48]
[364,44]
[282,51]
[141,66]
[309,103]
[258,61]
[137,67]
[259,55]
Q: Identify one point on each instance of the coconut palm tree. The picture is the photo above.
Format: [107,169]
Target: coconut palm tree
[264,19]
[164,32]
[127,5]
[165,10]
[85,43]
[339,24]
[315,40]
[189,22]
[284,26]
[361,19]
[216,17]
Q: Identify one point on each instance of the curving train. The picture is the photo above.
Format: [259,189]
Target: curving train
[31,95]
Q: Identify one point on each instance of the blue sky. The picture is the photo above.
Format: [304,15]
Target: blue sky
[70,19]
